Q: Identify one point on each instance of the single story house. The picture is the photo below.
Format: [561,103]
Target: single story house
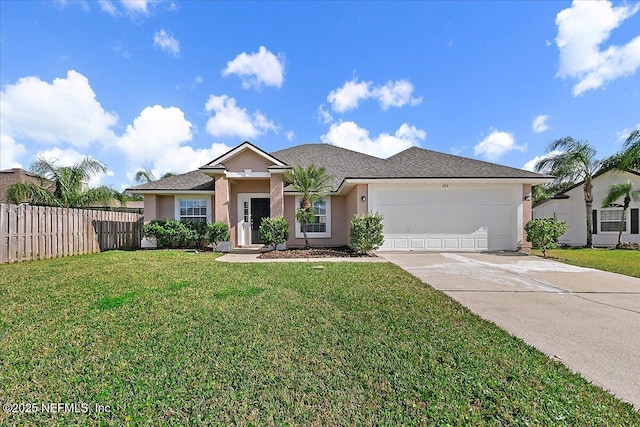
[569,206]
[429,200]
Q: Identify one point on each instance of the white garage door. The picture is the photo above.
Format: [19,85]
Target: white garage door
[445,219]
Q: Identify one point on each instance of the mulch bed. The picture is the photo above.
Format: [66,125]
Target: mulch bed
[340,252]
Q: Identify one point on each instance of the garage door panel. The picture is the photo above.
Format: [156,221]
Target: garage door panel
[445,220]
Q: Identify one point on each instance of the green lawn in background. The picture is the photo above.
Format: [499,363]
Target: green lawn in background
[614,260]
[176,338]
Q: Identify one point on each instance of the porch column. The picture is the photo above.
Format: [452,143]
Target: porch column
[276,192]
[526,217]
[222,199]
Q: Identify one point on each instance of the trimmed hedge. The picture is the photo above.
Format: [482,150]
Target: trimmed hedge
[171,233]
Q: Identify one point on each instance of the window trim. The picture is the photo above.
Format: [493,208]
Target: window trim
[611,209]
[179,198]
[311,235]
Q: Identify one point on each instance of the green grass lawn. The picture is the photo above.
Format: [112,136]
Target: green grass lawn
[613,260]
[175,338]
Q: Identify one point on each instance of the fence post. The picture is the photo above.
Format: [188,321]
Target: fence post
[4,235]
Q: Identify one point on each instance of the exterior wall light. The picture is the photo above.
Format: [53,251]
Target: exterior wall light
[363,198]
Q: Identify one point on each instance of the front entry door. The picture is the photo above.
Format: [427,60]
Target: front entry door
[260,208]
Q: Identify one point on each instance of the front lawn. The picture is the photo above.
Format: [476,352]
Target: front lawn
[175,338]
[614,260]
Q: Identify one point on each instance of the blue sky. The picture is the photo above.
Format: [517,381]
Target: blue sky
[168,86]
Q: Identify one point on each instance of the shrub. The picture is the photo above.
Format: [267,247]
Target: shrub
[544,233]
[274,231]
[218,232]
[169,233]
[366,232]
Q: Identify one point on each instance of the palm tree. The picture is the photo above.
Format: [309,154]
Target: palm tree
[617,191]
[313,183]
[629,156]
[145,176]
[576,162]
[66,187]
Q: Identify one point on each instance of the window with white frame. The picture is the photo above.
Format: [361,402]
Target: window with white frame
[193,210]
[610,220]
[321,225]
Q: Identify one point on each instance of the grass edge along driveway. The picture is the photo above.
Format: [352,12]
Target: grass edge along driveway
[168,337]
[619,261]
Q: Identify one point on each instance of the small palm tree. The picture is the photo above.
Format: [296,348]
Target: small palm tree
[576,162]
[313,183]
[616,191]
[66,186]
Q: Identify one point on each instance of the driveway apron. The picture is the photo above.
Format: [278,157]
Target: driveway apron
[587,319]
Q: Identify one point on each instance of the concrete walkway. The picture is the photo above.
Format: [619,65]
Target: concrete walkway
[587,319]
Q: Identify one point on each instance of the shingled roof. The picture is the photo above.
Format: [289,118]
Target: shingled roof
[417,162]
[190,181]
[341,163]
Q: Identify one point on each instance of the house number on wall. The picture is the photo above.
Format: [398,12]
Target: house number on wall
[445,185]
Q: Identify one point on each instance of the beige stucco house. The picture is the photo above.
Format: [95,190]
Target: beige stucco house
[429,200]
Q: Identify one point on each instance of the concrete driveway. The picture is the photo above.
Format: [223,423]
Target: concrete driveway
[587,319]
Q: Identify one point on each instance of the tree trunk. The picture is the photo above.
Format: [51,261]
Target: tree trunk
[588,201]
[627,202]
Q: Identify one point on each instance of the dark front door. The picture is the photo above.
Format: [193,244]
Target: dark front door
[260,208]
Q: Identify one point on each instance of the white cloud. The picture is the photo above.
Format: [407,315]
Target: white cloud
[349,95]
[456,151]
[229,120]
[539,124]
[582,29]
[351,136]
[11,151]
[396,94]
[392,94]
[69,157]
[157,141]
[108,7]
[624,133]
[496,145]
[166,42]
[290,135]
[324,116]
[256,69]
[140,7]
[531,164]
[65,110]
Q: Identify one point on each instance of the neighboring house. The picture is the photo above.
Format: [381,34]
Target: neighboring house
[11,176]
[430,200]
[569,206]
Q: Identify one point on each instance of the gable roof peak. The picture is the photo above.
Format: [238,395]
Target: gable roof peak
[246,145]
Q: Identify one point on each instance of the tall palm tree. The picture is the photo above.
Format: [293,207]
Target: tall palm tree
[616,191]
[629,156]
[314,183]
[67,188]
[576,162]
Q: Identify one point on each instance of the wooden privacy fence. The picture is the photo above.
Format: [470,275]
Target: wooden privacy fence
[39,232]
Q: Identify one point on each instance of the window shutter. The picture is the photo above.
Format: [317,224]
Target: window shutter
[594,220]
[634,221]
